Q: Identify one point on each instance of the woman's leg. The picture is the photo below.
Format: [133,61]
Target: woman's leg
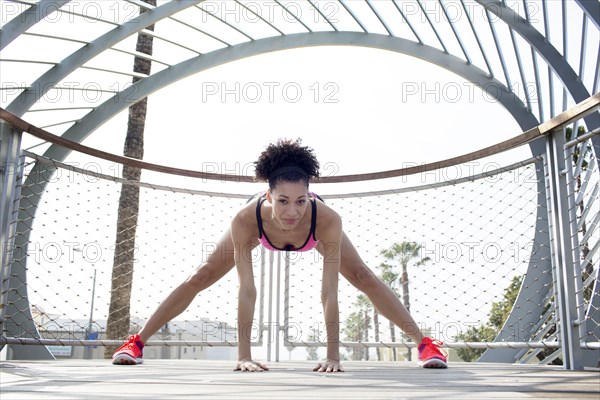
[383,298]
[216,266]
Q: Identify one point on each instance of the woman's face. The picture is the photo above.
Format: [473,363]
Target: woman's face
[289,200]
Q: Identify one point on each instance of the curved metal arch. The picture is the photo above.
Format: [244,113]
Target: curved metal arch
[546,50]
[45,82]
[147,86]
[27,19]
[591,9]
[537,282]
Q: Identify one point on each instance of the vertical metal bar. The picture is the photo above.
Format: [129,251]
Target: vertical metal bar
[286,301]
[483,54]
[550,72]
[277,301]
[380,18]
[597,73]
[322,15]
[353,16]
[538,85]
[460,43]
[562,252]
[564,28]
[10,146]
[498,49]
[261,18]
[554,271]
[520,67]
[261,308]
[432,27]
[407,22]
[293,15]
[583,51]
[232,26]
[270,305]
[565,47]
[552,104]
[536,73]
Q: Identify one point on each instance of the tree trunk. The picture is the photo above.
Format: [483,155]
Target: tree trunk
[406,299]
[118,323]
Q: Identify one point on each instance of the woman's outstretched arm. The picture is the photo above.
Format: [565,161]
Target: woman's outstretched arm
[242,241]
[329,247]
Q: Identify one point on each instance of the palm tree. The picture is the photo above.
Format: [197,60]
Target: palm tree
[390,277]
[365,305]
[404,253]
[117,325]
[376,329]
[353,332]
[312,351]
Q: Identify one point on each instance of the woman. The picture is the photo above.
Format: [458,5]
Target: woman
[287,217]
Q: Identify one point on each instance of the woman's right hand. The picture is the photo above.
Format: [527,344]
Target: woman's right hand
[248,365]
[329,365]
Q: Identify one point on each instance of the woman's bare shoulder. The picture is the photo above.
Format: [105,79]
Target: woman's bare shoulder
[324,210]
[327,218]
[246,216]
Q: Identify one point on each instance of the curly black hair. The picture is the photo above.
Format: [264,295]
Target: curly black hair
[287,160]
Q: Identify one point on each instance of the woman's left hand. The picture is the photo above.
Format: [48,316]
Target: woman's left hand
[247,365]
[329,366]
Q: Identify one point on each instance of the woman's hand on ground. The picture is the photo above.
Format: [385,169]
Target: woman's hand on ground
[329,366]
[248,365]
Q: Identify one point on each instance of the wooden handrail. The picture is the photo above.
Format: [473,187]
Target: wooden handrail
[578,111]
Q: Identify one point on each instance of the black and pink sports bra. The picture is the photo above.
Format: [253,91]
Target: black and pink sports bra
[310,242]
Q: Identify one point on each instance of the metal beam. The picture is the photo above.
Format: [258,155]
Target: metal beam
[149,85]
[34,14]
[547,51]
[15,313]
[591,8]
[45,82]
[561,248]
[164,78]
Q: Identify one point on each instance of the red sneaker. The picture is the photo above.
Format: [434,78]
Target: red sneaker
[431,355]
[130,353]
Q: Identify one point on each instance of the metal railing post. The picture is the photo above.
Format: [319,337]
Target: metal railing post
[270,306]
[562,250]
[14,299]
[286,302]
[277,300]
[10,145]
[261,307]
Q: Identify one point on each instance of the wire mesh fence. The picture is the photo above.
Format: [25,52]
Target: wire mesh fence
[475,237]
[584,212]
[481,276]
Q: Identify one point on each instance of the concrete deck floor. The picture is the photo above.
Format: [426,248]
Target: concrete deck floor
[191,379]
